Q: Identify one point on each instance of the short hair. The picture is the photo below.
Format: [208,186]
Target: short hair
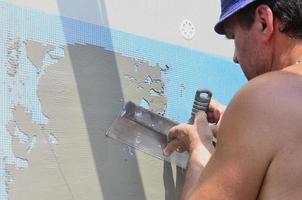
[288,11]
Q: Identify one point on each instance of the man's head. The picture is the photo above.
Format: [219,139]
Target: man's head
[289,12]
[260,28]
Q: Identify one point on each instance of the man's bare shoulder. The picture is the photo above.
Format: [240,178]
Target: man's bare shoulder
[255,126]
[275,99]
[270,103]
[273,87]
[261,121]
[278,82]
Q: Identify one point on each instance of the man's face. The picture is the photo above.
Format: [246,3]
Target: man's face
[248,52]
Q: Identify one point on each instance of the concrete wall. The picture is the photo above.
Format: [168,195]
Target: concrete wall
[67,68]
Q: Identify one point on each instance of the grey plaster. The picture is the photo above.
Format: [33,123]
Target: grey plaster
[81,96]
[42,176]
[10,127]
[36,52]
[142,82]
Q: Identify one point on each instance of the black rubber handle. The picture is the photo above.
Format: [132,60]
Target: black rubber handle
[201,102]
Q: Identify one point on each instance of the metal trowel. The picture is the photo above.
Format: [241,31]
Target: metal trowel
[147,131]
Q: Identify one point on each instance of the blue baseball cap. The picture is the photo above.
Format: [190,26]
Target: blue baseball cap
[228,8]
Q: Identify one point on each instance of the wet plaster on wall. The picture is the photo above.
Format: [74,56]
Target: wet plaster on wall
[141,82]
[81,95]
[22,130]
[30,183]
[42,174]
[36,52]
[61,103]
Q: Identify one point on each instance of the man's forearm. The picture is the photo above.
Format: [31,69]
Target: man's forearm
[197,160]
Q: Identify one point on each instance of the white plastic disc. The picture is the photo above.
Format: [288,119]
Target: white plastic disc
[187,29]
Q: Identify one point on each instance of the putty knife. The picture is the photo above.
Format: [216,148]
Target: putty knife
[147,131]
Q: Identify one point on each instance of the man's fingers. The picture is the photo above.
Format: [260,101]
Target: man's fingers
[172,133]
[216,114]
[215,111]
[200,118]
[178,139]
[175,132]
[211,117]
[181,149]
[214,129]
[214,104]
[203,128]
[171,147]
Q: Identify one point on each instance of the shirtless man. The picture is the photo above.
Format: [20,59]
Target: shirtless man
[259,150]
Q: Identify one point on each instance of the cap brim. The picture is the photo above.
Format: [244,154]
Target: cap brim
[219,27]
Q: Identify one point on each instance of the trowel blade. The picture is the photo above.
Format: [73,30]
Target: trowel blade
[145,131]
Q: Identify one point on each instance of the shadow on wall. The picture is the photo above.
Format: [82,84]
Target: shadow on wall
[99,87]
[100,93]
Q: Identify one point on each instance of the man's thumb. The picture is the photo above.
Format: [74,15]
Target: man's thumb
[201,118]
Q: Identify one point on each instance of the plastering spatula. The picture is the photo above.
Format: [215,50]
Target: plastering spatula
[147,131]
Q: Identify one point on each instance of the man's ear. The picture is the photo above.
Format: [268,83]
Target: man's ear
[264,20]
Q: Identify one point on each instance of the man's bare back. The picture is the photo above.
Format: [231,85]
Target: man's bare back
[284,174]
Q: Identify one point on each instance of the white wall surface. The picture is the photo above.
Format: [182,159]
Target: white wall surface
[155,19]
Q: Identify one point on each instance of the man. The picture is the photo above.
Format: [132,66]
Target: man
[259,149]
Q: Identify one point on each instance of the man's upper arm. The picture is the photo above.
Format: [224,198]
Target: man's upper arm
[244,150]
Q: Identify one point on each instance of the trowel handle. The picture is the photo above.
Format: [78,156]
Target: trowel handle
[201,102]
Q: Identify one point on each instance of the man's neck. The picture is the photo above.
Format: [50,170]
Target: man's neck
[288,52]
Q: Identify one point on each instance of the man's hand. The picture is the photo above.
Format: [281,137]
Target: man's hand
[197,140]
[185,137]
[215,111]
[214,115]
